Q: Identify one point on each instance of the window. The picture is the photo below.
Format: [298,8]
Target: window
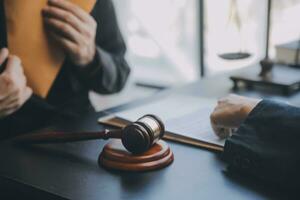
[284,22]
[163,42]
[162,39]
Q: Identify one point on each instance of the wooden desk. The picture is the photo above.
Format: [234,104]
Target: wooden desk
[70,171]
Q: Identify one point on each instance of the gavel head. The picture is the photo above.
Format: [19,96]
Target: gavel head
[139,136]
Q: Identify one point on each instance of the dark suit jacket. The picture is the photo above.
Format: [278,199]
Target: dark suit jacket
[267,144]
[69,93]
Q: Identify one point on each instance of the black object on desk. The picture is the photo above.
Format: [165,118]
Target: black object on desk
[284,78]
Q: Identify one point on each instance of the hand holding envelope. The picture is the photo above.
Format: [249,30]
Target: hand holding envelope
[14,91]
[70,25]
[73,29]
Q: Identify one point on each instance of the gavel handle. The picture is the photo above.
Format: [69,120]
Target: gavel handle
[62,137]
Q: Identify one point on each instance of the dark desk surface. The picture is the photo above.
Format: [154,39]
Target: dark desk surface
[71,171]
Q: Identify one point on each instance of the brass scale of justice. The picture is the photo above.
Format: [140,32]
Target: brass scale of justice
[140,148]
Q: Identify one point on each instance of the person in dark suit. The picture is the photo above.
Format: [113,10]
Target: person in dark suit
[266,144]
[94,50]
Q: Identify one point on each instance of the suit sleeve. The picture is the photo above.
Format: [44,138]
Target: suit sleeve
[109,71]
[266,145]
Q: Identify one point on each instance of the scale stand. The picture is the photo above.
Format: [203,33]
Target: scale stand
[286,78]
[280,77]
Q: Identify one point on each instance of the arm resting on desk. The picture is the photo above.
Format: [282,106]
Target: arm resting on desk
[267,144]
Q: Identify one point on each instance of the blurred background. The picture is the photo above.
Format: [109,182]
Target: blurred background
[163,40]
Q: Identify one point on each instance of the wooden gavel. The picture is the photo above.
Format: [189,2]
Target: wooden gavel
[137,137]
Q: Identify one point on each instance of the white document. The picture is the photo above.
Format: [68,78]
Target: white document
[187,116]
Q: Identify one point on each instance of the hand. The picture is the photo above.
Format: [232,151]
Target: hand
[73,29]
[13,89]
[230,112]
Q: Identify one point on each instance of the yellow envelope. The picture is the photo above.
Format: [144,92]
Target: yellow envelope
[27,38]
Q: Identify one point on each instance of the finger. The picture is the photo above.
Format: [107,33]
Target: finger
[3,88]
[14,94]
[6,87]
[215,117]
[76,10]
[226,115]
[28,93]
[223,132]
[64,29]
[66,16]
[10,109]
[13,83]
[7,112]
[222,118]
[13,65]
[223,100]
[10,98]
[16,99]
[3,96]
[66,44]
[11,105]
[7,97]
[3,55]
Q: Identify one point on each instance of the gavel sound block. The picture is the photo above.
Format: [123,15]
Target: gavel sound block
[138,150]
[115,156]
